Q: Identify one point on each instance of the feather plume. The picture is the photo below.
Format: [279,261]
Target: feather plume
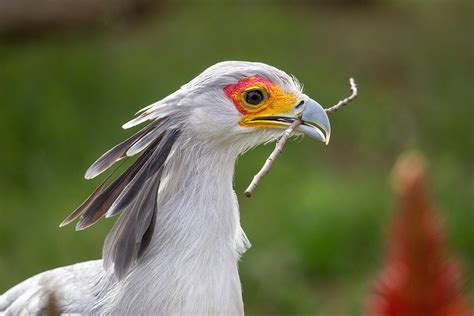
[144,142]
[134,192]
[143,117]
[81,208]
[102,203]
[123,244]
[153,165]
[119,151]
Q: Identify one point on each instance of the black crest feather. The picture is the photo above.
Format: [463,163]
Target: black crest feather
[134,193]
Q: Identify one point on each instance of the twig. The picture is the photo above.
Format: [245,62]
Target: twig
[275,153]
[347,100]
[281,142]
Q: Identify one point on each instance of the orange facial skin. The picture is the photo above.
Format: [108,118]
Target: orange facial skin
[277,101]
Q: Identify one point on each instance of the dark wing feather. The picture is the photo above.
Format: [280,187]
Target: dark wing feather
[143,142]
[81,208]
[146,237]
[148,211]
[134,193]
[103,202]
[132,233]
[119,151]
[155,162]
[127,254]
[121,247]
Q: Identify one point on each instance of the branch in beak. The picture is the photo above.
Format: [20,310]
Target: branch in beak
[275,153]
[307,124]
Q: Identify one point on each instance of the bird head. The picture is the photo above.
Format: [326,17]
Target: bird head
[244,102]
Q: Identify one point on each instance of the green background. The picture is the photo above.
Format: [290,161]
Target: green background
[318,221]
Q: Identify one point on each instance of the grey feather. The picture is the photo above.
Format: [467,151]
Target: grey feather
[102,203]
[119,151]
[148,211]
[145,141]
[122,247]
[143,117]
[81,208]
[134,193]
[146,237]
[152,166]
[124,258]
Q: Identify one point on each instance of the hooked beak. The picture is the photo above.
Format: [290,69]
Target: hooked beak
[315,122]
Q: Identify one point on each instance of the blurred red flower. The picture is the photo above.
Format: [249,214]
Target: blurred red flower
[419,277]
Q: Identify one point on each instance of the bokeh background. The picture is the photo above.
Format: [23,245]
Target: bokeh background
[70,76]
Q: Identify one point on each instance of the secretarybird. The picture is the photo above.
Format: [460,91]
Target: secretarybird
[175,248]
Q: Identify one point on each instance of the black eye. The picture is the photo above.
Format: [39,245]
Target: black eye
[254,97]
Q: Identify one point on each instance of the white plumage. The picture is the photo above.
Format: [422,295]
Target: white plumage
[176,246]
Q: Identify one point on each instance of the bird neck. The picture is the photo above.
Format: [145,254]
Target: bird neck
[197,205]
[191,263]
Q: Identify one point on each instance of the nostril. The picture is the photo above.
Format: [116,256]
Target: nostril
[299,106]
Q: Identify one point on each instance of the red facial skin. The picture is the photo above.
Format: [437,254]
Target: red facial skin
[234,91]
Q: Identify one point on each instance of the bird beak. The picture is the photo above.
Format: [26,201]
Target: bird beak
[315,121]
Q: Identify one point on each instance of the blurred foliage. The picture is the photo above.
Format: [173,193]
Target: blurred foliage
[32,17]
[317,221]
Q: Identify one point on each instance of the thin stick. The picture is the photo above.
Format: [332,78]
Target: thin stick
[275,153]
[347,100]
[281,142]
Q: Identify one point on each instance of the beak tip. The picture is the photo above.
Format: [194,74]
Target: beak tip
[327,140]
[317,122]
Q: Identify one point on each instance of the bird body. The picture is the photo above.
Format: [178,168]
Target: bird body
[176,246]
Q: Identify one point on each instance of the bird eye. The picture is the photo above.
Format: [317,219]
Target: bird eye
[254,97]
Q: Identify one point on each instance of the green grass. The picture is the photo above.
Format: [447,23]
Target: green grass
[317,221]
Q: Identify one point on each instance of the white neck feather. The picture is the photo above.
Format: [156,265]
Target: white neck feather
[191,264]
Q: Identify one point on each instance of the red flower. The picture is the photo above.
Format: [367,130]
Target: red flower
[419,277]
